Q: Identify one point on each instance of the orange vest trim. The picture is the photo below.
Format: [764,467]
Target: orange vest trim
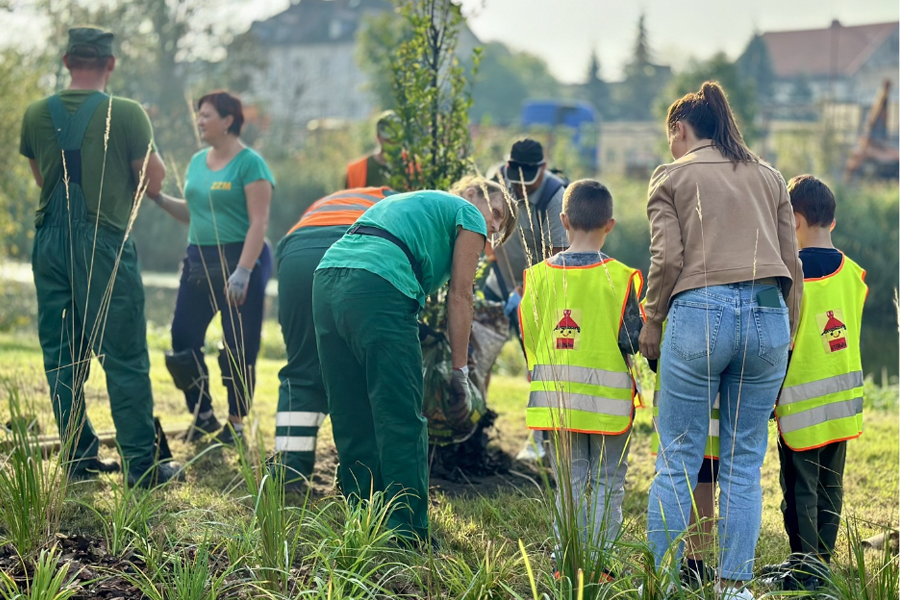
[357,171]
[341,208]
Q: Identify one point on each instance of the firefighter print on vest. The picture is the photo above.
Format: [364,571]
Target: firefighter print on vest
[567,330]
[833,330]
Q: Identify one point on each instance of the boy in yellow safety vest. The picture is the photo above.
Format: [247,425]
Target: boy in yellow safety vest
[580,319]
[820,404]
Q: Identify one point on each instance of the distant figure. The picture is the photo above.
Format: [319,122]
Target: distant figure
[723,260]
[372,169]
[543,234]
[302,405]
[580,321]
[89,290]
[821,401]
[228,263]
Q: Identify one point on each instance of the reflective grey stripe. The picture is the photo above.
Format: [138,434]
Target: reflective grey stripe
[299,419]
[336,208]
[821,414]
[285,443]
[586,375]
[584,402]
[821,387]
[341,195]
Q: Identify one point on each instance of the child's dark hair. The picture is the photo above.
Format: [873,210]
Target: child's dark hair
[710,116]
[587,204]
[226,104]
[812,199]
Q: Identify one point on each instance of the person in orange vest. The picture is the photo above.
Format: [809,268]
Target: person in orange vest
[302,405]
[372,170]
[820,405]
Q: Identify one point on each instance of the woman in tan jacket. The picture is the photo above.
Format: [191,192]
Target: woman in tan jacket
[724,259]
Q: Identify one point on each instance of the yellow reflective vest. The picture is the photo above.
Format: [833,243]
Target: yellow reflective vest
[570,319]
[712,440]
[821,400]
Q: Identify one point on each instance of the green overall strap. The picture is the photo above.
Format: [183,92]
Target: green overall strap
[70,129]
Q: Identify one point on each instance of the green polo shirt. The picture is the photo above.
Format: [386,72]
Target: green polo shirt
[426,222]
[216,199]
[130,139]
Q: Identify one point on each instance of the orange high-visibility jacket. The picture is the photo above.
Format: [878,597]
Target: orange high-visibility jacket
[341,208]
[357,171]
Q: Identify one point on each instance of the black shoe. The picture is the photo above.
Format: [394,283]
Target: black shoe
[778,569]
[801,582]
[693,579]
[228,436]
[89,468]
[155,476]
[202,427]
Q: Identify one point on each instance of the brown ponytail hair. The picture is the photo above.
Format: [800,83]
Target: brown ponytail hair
[710,116]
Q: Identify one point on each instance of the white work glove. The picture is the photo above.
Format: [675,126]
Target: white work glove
[460,406]
[236,288]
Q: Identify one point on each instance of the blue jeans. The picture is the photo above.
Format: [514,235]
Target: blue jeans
[718,340]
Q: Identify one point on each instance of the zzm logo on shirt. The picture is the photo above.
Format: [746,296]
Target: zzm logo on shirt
[220,185]
[833,330]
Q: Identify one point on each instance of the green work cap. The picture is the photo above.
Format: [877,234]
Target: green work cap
[387,125]
[90,42]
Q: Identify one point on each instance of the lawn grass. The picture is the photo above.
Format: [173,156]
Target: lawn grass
[471,520]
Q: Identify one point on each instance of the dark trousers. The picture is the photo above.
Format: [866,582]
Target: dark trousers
[368,338]
[302,405]
[201,294]
[812,482]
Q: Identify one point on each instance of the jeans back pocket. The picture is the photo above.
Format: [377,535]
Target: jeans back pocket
[774,331]
[694,327]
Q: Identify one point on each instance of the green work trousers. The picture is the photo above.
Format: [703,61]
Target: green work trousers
[302,405]
[813,486]
[87,302]
[368,338]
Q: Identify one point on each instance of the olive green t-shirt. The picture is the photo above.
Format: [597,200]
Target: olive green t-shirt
[130,139]
[426,222]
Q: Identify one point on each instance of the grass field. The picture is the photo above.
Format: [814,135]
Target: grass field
[479,523]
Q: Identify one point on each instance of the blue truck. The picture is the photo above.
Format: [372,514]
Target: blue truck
[578,115]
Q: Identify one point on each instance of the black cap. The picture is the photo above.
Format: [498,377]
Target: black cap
[525,161]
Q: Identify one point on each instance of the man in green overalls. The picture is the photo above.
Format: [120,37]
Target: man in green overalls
[93,156]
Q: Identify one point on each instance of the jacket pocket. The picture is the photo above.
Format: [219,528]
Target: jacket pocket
[694,328]
[774,331]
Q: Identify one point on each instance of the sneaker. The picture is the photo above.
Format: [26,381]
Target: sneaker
[732,593]
[228,436]
[157,475]
[777,569]
[531,453]
[88,468]
[202,427]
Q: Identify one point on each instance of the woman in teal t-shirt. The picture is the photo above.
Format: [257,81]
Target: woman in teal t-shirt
[367,292]
[228,192]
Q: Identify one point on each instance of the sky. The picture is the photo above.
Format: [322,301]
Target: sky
[565,32]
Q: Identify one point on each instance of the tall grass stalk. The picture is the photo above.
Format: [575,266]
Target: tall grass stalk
[49,581]
[32,489]
[275,526]
[875,576]
[128,516]
[355,549]
[487,581]
[188,575]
